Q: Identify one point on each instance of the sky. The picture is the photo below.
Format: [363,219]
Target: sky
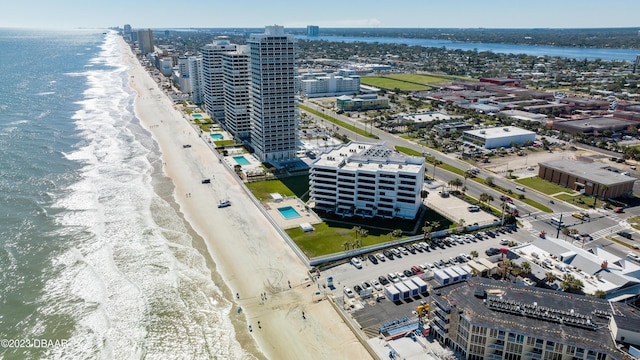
[67,14]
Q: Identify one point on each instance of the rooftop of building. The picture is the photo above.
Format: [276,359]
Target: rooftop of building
[584,265]
[546,314]
[590,171]
[523,115]
[426,117]
[596,123]
[369,156]
[499,132]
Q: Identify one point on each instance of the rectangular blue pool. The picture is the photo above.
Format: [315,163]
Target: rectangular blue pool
[288,212]
[241,160]
[217,136]
[197,116]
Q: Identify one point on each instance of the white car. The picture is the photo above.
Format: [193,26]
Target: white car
[376,284]
[401,276]
[356,262]
[504,242]
[403,250]
[348,292]
[381,257]
[633,256]
[393,278]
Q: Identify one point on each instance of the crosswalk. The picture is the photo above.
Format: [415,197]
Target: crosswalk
[608,231]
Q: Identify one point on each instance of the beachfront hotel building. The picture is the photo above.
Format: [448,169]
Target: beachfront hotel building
[488,319]
[212,77]
[145,41]
[236,81]
[196,83]
[274,124]
[367,180]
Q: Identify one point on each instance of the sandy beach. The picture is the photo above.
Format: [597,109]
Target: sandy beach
[251,257]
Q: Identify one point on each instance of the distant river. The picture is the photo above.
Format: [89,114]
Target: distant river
[568,52]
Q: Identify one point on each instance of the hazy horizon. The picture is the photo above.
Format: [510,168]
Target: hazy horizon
[463,14]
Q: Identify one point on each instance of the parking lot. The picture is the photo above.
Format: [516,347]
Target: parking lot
[369,313]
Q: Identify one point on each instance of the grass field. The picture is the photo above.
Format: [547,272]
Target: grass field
[296,185]
[329,237]
[390,84]
[543,186]
[420,78]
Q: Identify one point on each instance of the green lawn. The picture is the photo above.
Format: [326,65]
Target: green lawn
[390,84]
[221,143]
[420,78]
[296,185]
[542,185]
[329,237]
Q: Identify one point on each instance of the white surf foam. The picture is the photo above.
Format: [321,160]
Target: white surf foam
[131,278]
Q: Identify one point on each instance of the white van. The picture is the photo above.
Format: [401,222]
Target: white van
[520,188]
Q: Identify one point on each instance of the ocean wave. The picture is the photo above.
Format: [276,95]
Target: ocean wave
[130,276]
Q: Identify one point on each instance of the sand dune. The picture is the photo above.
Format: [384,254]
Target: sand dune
[249,254]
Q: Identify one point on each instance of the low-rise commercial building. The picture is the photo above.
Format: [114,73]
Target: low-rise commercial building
[499,136]
[345,82]
[367,180]
[594,126]
[588,178]
[362,102]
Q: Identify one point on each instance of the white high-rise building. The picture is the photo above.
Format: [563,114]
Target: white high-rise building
[274,124]
[195,79]
[367,180]
[236,83]
[212,77]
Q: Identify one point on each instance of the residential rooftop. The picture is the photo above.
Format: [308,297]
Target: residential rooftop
[556,316]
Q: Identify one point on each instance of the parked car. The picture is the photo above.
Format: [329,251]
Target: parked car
[376,285]
[393,277]
[408,273]
[383,280]
[356,262]
[403,251]
[380,257]
[357,289]
[372,259]
[388,254]
[504,242]
[349,293]
[416,270]
[401,276]
[492,251]
[410,248]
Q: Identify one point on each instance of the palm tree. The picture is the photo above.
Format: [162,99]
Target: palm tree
[525,268]
[474,253]
[550,277]
[456,182]
[435,225]
[397,233]
[357,231]
[571,284]
[461,222]
[600,294]
[426,230]
[486,197]
[467,174]
[363,234]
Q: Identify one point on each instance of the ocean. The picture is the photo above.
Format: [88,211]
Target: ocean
[96,260]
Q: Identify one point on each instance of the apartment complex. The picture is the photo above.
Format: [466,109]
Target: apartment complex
[236,81]
[313,30]
[212,77]
[345,82]
[196,79]
[488,319]
[367,180]
[145,41]
[274,127]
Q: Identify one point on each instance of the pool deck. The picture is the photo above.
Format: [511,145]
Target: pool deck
[306,216]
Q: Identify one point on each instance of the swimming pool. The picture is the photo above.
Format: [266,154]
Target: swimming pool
[196,116]
[241,160]
[288,212]
[217,136]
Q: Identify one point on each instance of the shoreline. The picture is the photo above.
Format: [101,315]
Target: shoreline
[250,256]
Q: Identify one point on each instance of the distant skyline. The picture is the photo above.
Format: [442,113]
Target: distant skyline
[67,14]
